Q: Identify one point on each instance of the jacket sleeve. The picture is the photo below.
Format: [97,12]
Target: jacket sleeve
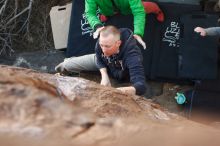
[136,72]
[139,14]
[213,31]
[90,12]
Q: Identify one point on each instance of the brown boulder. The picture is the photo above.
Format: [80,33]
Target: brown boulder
[74,111]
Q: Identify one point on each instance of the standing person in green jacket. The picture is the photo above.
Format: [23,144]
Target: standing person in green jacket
[125,7]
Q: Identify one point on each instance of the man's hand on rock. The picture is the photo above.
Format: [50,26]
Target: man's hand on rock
[105,82]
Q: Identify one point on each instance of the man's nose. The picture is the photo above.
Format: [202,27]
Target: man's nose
[104,49]
[105,52]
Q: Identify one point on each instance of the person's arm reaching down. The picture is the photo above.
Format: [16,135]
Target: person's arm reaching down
[212,31]
[90,12]
[139,14]
[104,77]
[136,72]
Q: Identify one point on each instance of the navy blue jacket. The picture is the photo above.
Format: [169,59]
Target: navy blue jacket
[126,64]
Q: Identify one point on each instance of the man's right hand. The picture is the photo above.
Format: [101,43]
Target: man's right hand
[96,33]
[200,30]
[105,79]
[105,82]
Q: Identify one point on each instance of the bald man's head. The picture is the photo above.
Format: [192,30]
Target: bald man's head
[110,40]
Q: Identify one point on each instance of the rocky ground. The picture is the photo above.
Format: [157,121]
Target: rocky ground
[45,109]
[162,93]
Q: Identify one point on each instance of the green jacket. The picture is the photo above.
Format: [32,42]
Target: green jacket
[125,7]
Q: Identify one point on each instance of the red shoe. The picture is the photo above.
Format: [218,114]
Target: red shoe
[151,7]
[103,18]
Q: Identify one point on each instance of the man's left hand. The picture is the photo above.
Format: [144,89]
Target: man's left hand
[139,39]
[127,90]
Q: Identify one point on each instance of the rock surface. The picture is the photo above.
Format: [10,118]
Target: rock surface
[47,109]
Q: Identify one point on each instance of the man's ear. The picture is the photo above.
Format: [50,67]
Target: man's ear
[118,43]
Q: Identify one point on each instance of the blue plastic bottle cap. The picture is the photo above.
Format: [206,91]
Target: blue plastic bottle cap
[180,98]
